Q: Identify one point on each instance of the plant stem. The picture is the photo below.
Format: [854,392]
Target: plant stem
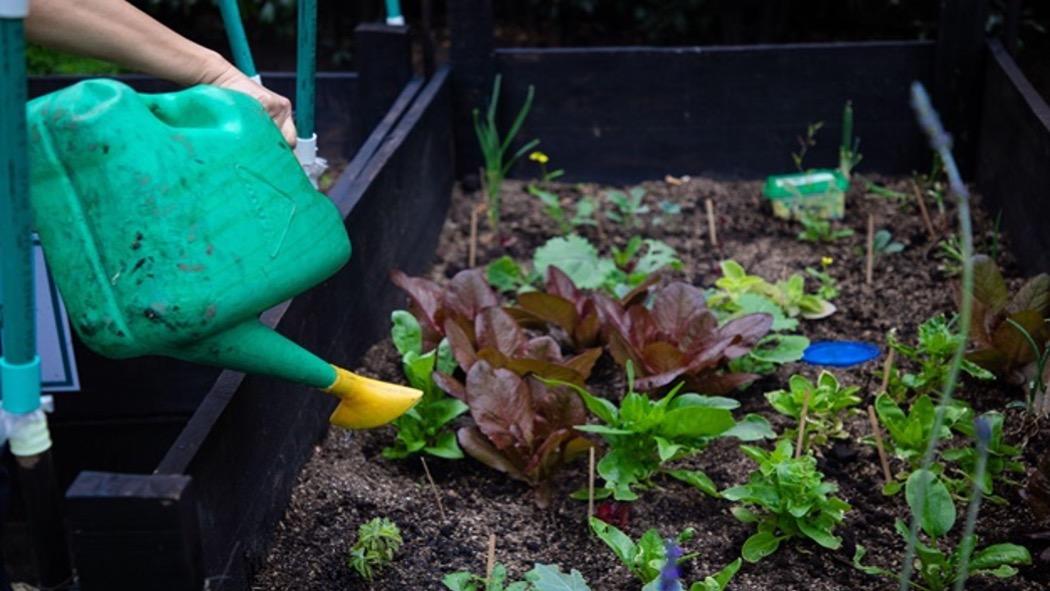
[941,143]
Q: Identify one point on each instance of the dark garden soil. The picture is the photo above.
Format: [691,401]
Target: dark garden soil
[348,482]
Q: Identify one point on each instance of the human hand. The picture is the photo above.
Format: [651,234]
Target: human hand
[279,108]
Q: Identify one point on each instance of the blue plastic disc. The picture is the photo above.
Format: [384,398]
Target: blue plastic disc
[840,353]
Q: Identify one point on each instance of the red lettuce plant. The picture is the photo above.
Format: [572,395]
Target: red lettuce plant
[678,339]
[1009,331]
[467,294]
[522,427]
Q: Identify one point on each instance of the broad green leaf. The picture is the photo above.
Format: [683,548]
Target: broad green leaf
[446,361]
[752,428]
[934,506]
[575,256]
[446,447]
[697,480]
[603,430]
[546,577]
[818,535]
[695,421]
[620,543]
[780,349]
[418,370]
[406,333]
[760,545]
[1000,554]
[504,274]
[462,581]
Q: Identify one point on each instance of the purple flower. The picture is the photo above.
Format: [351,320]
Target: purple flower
[669,573]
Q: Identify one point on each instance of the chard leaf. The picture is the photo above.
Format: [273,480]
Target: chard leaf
[406,333]
[550,578]
[760,545]
[697,480]
[997,555]
[575,256]
[935,507]
[695,421]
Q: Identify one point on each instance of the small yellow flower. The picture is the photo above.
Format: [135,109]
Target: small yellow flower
[826,261]
[539,157]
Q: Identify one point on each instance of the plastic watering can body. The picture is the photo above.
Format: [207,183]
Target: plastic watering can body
[171,221]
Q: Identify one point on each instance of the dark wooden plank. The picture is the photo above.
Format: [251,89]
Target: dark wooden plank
[132,531]
[470,25]
[957,79]
[251,435]
[384,62]
[624,114]
[1013,165]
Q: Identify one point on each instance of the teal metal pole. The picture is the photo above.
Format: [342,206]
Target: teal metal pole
[242,54]
[19,366]
[26,424]
[306,68]
[393,13]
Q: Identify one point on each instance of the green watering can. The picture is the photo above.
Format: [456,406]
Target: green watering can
[171,221]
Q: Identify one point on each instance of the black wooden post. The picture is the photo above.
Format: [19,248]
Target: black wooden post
[473,67]
[959,71]
[135,531]
[384,65]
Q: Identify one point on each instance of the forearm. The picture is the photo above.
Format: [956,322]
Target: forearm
[116,31]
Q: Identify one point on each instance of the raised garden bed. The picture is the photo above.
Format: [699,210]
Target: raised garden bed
[348,481]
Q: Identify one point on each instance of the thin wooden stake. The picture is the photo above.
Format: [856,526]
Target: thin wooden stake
[869,270]
[802,425]
[490,561]
[590,487]
[886,369]
[922,210]
[712,232]
[878,443]
[472,256]
[433,487]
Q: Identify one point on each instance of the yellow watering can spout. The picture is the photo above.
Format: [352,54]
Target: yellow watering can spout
[365,403]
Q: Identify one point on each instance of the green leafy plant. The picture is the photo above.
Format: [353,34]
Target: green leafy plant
[523,427]
[677,338]
[938,340]
[424,428]
[910,434]
[789,295]
[627,207]
[816,229]
[826,402]
[584,215]
[644,436]
[378,541]
[626,270]
[786,497]
[937,569]
[949,251]
[647,558]
[829,287]
[883,243]
[506,275]
[542,577]
[805,143]
[496,151]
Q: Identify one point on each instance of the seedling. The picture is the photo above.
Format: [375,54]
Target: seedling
[654,561]
[628,207]
[542,159]
[378,541]
[496,151]
[424,428]
[849,156]
[829,286]
[885,244]
[939,338]
[805,142]
[815,229]
[828,403]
